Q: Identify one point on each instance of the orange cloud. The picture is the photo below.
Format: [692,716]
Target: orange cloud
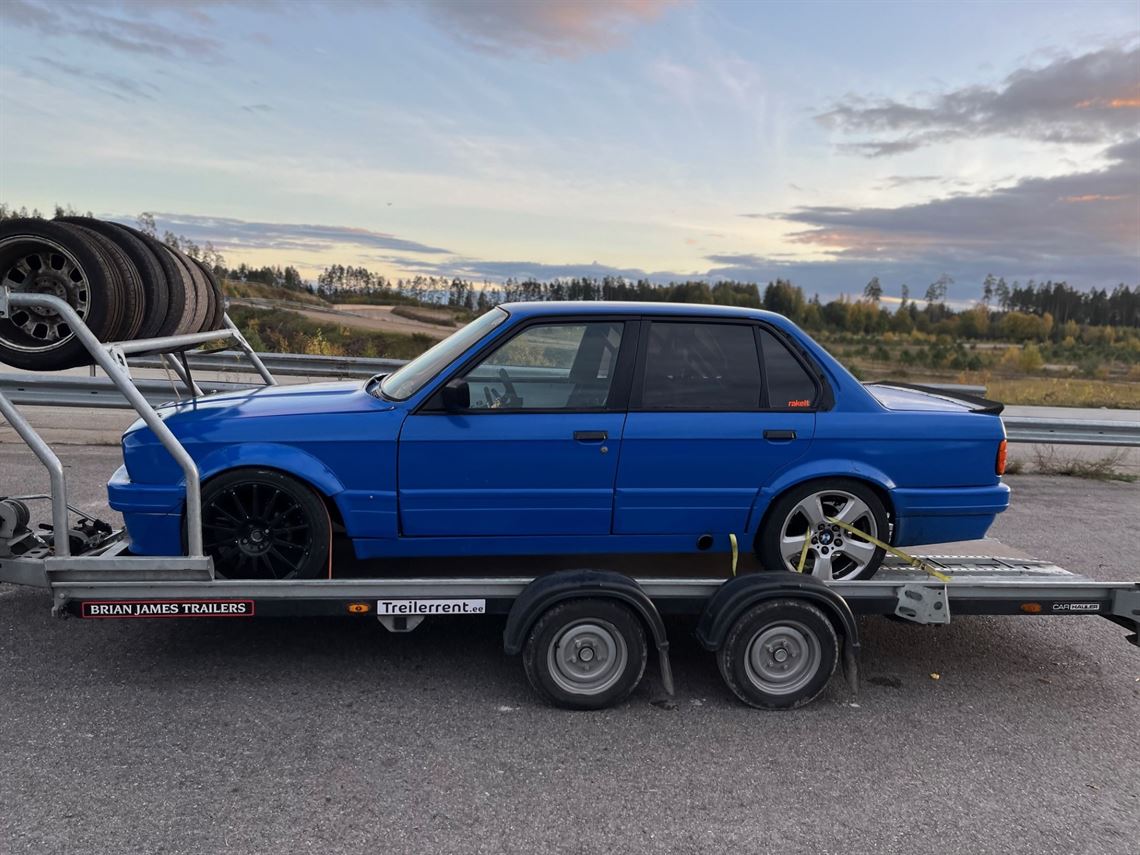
[1091,197]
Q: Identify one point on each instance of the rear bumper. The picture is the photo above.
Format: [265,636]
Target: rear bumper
[946,514]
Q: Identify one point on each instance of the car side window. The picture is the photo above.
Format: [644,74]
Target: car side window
[789,384]
[701,366]
[549,367]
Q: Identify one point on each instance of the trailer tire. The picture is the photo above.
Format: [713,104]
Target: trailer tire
[85,272]
[780,654]
[263,524]
[586,654]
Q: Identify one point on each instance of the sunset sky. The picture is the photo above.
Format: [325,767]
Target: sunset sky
[825,142]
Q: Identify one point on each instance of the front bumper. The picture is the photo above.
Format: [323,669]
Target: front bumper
[152,513]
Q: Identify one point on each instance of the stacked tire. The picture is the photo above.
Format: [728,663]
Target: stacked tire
[122,283]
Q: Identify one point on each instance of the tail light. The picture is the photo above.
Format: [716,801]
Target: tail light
[999,467]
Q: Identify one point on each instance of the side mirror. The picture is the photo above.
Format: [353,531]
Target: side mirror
[456,395]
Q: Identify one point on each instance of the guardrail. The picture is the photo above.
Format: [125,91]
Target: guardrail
[76,391]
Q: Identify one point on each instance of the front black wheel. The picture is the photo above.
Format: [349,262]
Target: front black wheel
[262,524]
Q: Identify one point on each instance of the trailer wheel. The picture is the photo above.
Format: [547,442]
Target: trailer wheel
[779,654]
[262,524]
[585,654]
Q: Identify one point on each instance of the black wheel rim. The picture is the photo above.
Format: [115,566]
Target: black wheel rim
[256,531]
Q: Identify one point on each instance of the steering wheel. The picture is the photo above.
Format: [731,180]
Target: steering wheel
[510,397]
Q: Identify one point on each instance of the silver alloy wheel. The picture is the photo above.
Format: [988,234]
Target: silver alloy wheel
[833,552]
[44,267]
[783,657]
[588,657]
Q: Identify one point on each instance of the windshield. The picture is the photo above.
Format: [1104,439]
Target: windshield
[411,378]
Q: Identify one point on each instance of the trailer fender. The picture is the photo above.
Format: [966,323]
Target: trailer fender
[548,591]
[741,593]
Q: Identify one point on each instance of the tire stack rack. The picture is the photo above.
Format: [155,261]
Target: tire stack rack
[583,634]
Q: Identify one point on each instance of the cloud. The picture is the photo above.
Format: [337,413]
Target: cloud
[1091,98]
[126,88]
[559,27]
[233,234]
[125,32]
[257,108]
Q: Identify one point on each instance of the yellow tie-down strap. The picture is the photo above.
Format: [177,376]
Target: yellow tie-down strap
[912,560]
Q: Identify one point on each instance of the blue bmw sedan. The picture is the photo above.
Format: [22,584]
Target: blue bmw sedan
[577,428]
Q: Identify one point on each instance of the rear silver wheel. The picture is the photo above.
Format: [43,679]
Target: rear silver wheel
[833,552]
[588,657]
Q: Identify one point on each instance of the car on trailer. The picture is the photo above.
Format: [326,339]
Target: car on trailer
[577,428]
[583,634]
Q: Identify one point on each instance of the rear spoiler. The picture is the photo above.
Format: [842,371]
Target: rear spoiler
[977,404]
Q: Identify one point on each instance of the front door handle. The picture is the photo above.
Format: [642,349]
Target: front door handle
[780,435]
[590,435]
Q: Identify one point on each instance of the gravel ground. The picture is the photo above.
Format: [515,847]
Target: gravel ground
[308,735]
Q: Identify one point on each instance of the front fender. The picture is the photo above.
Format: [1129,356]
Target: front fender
[287,458]
[809,471]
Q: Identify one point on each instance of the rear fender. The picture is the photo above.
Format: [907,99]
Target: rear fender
[810,471]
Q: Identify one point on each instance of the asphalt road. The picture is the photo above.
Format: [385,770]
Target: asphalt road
[325,736]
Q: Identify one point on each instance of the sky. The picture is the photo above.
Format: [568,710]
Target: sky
[825,142]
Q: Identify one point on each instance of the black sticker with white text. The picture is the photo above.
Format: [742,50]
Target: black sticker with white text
[166,608]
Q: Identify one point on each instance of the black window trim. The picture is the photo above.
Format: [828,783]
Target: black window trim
[619,392]
[821,400]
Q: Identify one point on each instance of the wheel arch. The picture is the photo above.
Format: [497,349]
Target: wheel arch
[287,460]
[874,479]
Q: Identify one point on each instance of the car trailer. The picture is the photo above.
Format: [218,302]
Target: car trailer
[584,635]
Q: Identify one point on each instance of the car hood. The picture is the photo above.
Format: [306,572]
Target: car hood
[292,400]
[908,397]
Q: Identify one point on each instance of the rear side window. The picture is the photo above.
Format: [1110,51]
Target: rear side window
[789,384]
[695,366]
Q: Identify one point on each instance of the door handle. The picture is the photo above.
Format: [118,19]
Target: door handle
[780,435]
[590,435]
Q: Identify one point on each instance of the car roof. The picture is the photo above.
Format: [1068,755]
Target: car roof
[628,307]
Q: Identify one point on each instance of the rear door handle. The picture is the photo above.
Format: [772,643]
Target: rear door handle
[780,435]
[590,435]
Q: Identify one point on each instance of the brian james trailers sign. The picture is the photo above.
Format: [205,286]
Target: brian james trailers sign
[166,608]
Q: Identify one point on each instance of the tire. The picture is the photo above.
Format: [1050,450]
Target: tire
[86,276]
[263,524]
[133,301]
[197,291]
[176,306]
[830,548]
[156,290]
[191,319]
[553,654]
[219,302]
[779,655]
[206,305]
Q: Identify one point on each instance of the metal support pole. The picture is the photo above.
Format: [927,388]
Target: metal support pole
[269,379]
[55,472]
[177,367]
[105,355]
